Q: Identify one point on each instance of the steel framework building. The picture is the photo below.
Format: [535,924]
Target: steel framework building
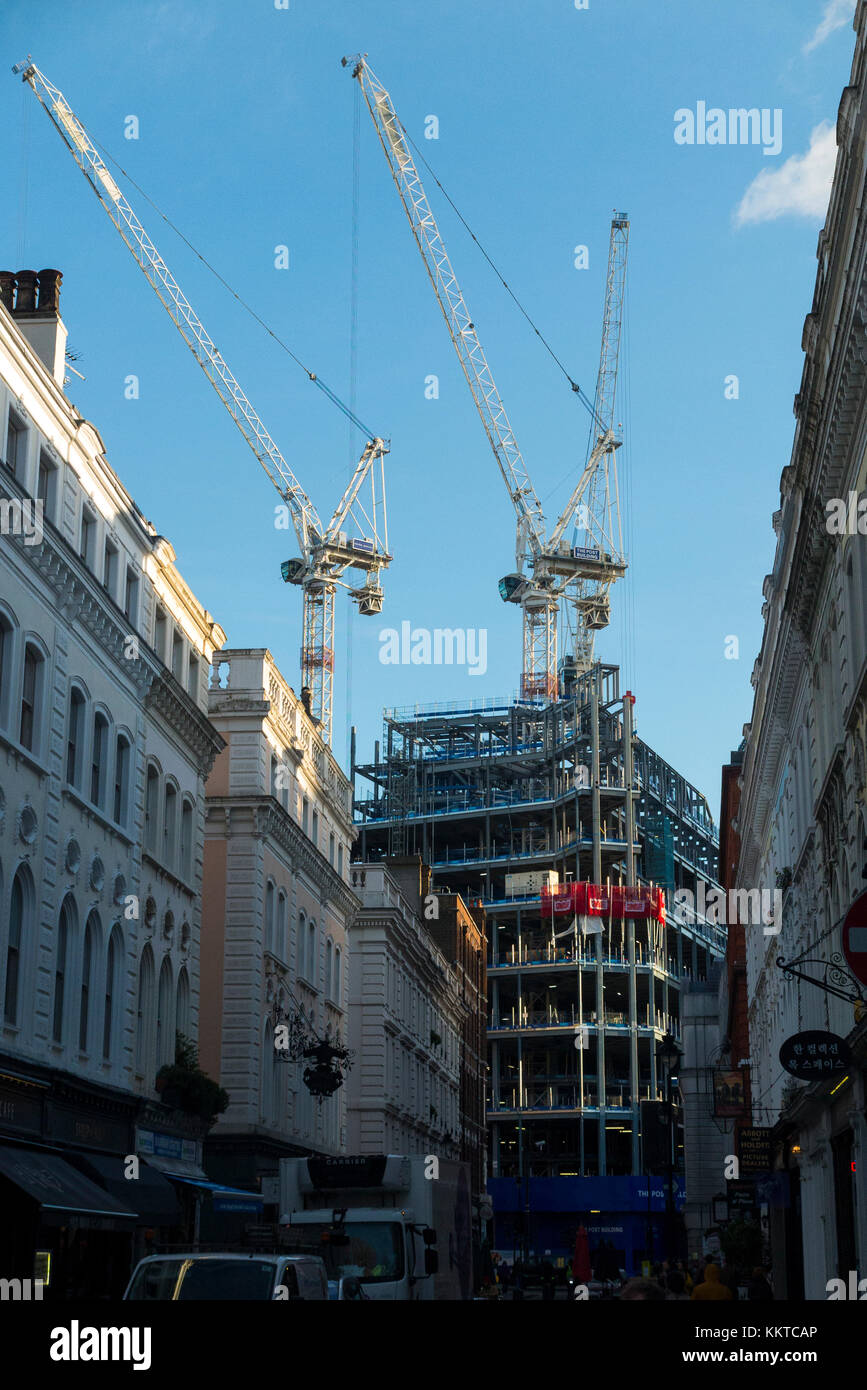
[490,792]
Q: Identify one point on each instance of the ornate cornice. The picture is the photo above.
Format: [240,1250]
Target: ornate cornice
[168,698]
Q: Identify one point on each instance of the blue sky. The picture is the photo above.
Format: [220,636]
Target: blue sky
[549,117]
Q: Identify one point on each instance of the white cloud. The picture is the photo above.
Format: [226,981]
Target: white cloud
[800,187]
[835,15]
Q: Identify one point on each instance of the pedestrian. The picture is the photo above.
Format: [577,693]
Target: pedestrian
[711,1288]
[518,1280]
[675,1284]
[547,1271]
[758,1289]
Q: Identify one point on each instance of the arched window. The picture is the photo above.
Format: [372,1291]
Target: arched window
[32,682]
[62,961]
[121,780]
[329,955]
[282,944]
[301,945]
[144,1013]
[170,825]
[7,664]
[99,759]
[152,807]
[20,927]
[269,916]
[187,841]
[113,958]
[75,737]
[165,1034]
[182,1022]
[336,994]
[312,961]
[88,965]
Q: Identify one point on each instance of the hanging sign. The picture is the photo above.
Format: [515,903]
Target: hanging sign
[812,1055]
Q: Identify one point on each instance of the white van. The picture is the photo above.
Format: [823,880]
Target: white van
[232,1276]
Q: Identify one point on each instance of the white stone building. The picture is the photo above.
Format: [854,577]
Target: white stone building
[803,810]
[405,1027]
[277,904]
[105,745]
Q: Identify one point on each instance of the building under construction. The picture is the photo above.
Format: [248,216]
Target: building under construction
[527,805]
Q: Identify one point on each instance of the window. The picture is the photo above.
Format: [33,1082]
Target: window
[340,860]
[193,677]
[170,825]
[87,965]
[177,656]
[46,486]
[282,944]
[65,929]
[187,841]
[7,652]
[75,737]
[87,538]
[16,445]
[305,814]
[99,759]
[165,1034]
[120,808]
[20,919]
[301,943]
[312,962]
[160,634]
[331,850]
[112,974]
[130,596]
[336,992]
[329,956]
[182,1018]
[31,698]
[151,804]
[269,916]
[273,776]
[145,1012]
[315,835]
[109,567]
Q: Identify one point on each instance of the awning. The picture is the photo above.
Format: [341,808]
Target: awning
[58,1187]
[153,1197]
[176,1168]
[225,1198]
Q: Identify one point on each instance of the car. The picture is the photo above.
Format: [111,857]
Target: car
[194,1276]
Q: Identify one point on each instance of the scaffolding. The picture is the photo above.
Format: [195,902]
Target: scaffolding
[501,796]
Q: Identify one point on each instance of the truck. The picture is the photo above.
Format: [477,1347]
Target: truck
[388,1226]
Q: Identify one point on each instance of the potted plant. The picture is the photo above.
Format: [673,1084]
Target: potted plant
[184,1086]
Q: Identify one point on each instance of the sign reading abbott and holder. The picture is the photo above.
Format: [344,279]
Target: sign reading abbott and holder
[814,1054]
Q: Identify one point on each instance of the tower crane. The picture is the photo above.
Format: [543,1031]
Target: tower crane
[546,569]
[327,553]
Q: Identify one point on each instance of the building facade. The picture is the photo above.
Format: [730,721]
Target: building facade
[105,745]
[405,1022]
[277,905]
[803,810]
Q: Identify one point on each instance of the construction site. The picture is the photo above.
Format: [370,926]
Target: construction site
[570,830]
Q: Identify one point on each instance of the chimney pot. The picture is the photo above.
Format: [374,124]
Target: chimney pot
[49,291]
[7,289]
[25,302]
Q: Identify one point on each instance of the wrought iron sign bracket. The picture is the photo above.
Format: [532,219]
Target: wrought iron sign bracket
[835,978]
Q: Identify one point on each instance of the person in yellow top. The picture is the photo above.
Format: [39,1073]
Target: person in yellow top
[712,1288]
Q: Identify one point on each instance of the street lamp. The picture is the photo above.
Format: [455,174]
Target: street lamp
[668,1055]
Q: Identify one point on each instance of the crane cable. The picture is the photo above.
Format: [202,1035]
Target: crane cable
[581,394]
[312,376]
[353,375]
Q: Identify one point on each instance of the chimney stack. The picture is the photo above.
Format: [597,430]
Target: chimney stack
[33,299]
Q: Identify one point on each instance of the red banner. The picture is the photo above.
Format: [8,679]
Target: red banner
[602,900]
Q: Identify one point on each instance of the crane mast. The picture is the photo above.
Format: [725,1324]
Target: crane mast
[327,553]
[534,593]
